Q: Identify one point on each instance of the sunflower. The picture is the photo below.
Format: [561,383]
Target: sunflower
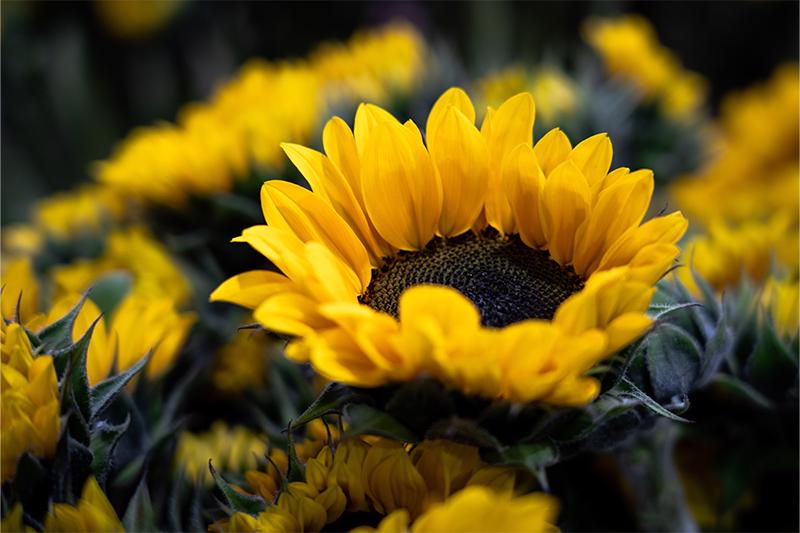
[500,267]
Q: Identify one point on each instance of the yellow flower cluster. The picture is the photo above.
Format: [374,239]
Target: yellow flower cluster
[29,409]
[216,143]
[380,476]
[556,95]
[477,508]
[92,514]
[241,364]
[754,171]
[233,449]
[135,251]
[630,49]
[141,321]
[85,209]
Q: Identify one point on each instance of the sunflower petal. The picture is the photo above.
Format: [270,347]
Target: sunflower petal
[402,193]
[340,147]
[451,97]
[250,289]
[552,150]
[367,117]
[523,181]
[593,157]
[565,206]
[461,159]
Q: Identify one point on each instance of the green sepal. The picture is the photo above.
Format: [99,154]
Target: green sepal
[296,469]
[104,439]
[57,336]
[32,486]
[238,502]
[104,392]
[365,420]
[673,361]
[73,462]
[534,458]
[330,400]
[109,290]
[628,389]
[74,380]
[139,515]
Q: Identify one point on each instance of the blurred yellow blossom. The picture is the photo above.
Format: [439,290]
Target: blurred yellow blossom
[241,364]
[132,250]
[234,449]
[21,240]
[630,49]
[556,95]
[727,252]
[216,143]
[30,407]
[135,19]
[137,325]
[92,514]
[86,209]
[781,297]
[20,288]
[753,171]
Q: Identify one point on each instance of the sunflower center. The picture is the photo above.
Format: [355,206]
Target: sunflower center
[504,278]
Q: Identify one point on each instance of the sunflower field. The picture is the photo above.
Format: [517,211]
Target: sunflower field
[400,267]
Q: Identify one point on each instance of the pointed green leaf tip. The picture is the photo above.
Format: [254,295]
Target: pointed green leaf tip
[240,503]
[108,389]
[140,516]
[104,439]
[58,335]
[329,401]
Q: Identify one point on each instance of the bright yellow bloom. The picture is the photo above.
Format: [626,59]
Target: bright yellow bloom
[242,363]
[213,144]
[555,94]
[754,171]
[30,406]
[477,509]
[21,240]
[134,250]
[727,253]
[545,266]
[136,19]
[630,50]
[20,287]
[782,300]
[93,514]
[138,324]
[230,449]
[86,209]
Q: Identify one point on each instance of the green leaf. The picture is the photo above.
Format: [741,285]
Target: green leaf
[709,297]
[75,382]
[104,439]
[242,503]
[108,389]
[718,349]
[32,485]
[463,430]
[140,516]
[329,401]
[629,389]
[296,469]
[109,290]
[58,335]
[743,389]
[73,463]
[366,420]
[771,365]
[419,404]
[535,458]
[673,361]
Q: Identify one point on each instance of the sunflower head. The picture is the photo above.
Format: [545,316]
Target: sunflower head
[500,266]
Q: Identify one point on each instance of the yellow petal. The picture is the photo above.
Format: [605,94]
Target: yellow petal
[565,206]
[593,157]
[298,210]
[340,147]
[327,181]
[290,313]
[455,97]
[666,229]
[619,208]
[402,192]
[367,117]
[281,247]
[461,159]
[552,150]
[250,289]
[523,181]
[510,125]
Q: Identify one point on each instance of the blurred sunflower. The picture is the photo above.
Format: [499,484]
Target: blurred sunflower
[504,268]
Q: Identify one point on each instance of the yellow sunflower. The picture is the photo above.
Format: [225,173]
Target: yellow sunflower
[503,268]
